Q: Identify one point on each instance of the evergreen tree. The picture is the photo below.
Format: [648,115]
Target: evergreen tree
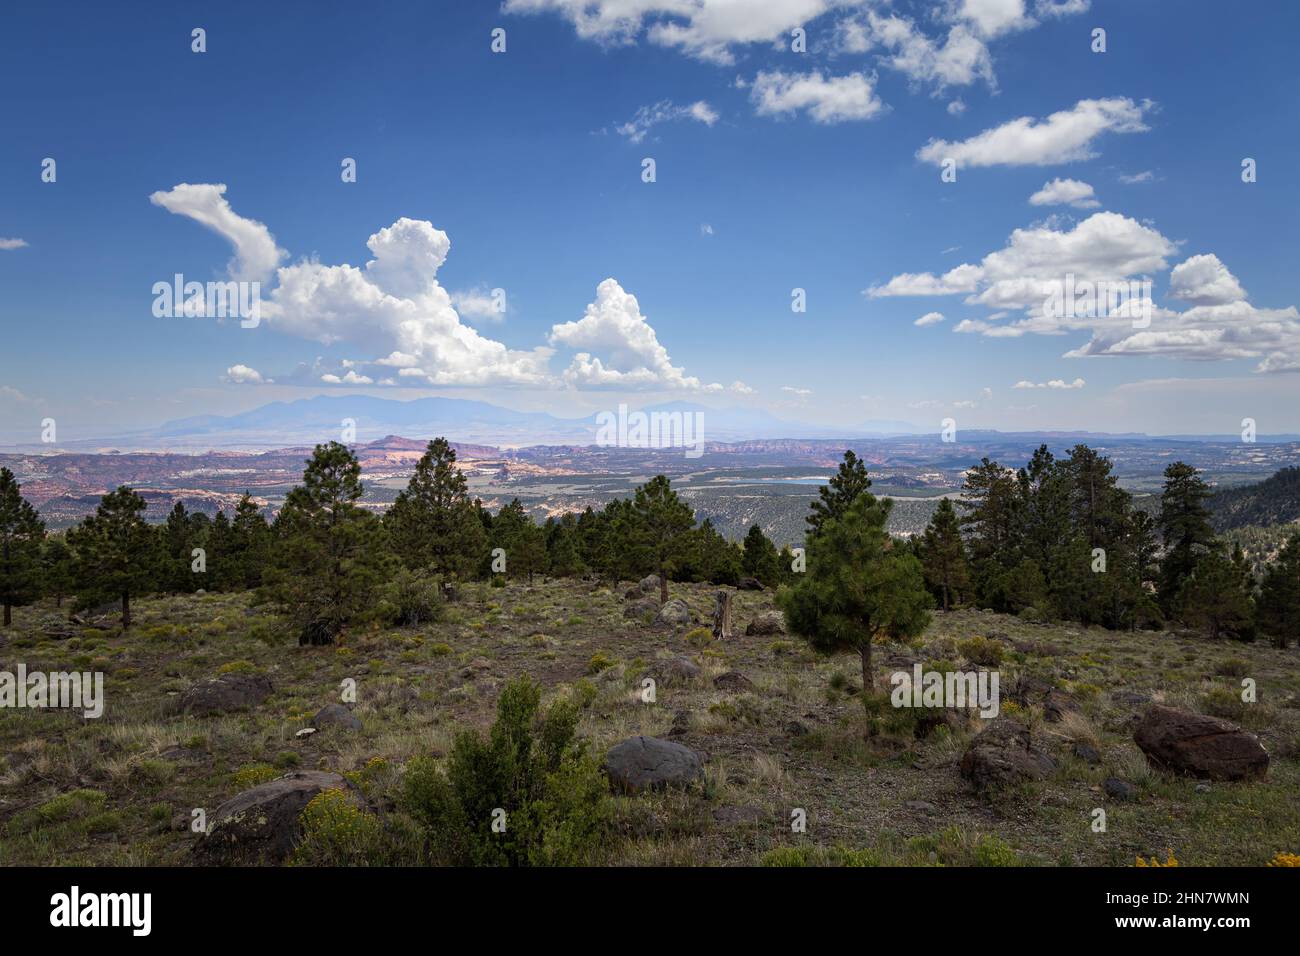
[1213,597]
[250,538]
[658,530]
[943,556]
[859,586]
[21,535]
[514,530]
[990,498]
[57,568]
[563,555]
[179,539]
[833,498]
[116,552]
[1185,526]
[760,558]
[1279,598]
[433,524]
[332,555]
[224,573]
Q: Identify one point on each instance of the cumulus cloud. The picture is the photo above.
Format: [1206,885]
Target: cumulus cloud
[1064,137]
[1065,192]
[1145,176]
[243,375]
[12,243]
[1054,383]
[930,318]
[959,59]
[1204,280]
[256,254]
[795,390]
[647,117]
[633,357]
[479,304]
[963,278]
[835,99]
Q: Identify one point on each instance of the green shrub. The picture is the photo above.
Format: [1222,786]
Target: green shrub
[336,831]
[250,775]
[237,667]
[413,598]
[599,662]
[1224,702]
[981,651]
[557,809]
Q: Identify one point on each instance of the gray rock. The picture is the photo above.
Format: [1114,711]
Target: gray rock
[765,625]
[1002,754]
[1200,746]
[643,610]
[649,584]
[262,825]
[228,692]
[648,763]
[675,613]
[733,681]
[1120,790]
[681,724]
[677,670]
[1087,752]
[336,715]
[749,584]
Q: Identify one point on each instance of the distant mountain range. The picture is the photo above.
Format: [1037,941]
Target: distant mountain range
[310,420]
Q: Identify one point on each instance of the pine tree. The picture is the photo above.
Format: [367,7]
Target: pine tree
[21,535]
[562,552]
[250,540]
[1279,597]
[943,556]
[116,552]
[1185,526]
[178,543]
[524,543]
[332,555]
[433,524]
[833,498]
[57,568]
[858,587]
[1213,597]
[991,500]
[760,559]
[658,529]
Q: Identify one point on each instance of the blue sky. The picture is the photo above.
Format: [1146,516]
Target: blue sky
[775,170]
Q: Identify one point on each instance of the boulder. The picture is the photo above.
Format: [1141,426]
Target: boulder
[1003,754]
[649,584]
[733,681]
[643,610]
[674,613]
[675,670]
[1087,752]
[261,825]
[1204,747]
[1120,790]
[336,715]
[749,584]
[648,763]
[766,624]
[228,692]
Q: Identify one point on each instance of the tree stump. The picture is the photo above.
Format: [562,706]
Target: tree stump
[722,617]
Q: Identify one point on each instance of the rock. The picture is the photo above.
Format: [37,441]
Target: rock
[1087,752]
[1057,704]
[228,692]
[1120,790]
[766,624]
[336,715]
[1003,754]
[643,610]
[681,723]
[1128,698]
[475,667]
[649,584]
[733,681]
[920,806]
[648,763]
[632,594]
[1201,746]
[675,613]
[749,584]
[675,670]
[738,816]
[1202,788]
[261,825]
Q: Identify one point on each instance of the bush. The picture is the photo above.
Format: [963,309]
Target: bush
[414,598]
[981,651]
[557,809]
[338,832]
[1032,615]
[1224,702]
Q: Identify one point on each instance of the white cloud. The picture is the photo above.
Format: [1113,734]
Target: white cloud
[1145,176]
[1056,383]
[961,59]
[243,375]
[351,378]
[705,29]
[963,278]
[256,254]
[664,111]
[1065,136]
[12,243]
[1065,192]
[1204,280]
[634,358]
[479,305]
[794,390]
[956,108]
[930,318]
[835,99]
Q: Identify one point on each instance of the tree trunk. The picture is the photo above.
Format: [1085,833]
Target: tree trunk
[663,586]
[126,609]
[8,616]
[722,617]
[945,599]
[868,681]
